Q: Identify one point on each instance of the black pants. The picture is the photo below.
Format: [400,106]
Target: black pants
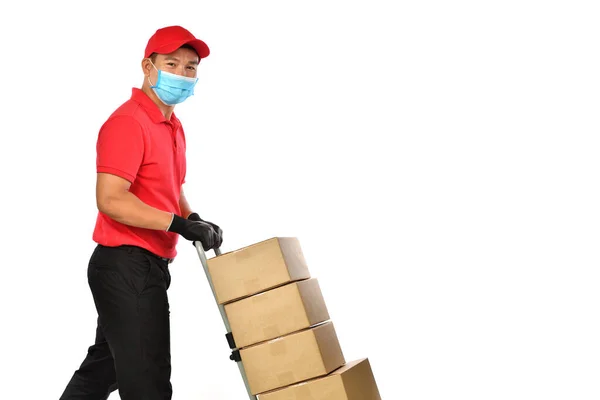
[131,351]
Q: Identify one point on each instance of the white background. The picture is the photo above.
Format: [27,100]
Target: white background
[437,160]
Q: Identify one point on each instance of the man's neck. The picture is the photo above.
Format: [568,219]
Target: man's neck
[166,110]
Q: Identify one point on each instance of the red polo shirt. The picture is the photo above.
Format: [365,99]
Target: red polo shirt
[137,143]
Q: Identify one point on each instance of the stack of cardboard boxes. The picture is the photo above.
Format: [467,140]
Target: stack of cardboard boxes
[281,327]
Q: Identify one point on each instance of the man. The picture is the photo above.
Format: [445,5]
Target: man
[141,167]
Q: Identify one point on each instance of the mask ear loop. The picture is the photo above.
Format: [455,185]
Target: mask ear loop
[158,80]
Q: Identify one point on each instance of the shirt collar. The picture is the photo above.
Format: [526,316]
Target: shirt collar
[151,108]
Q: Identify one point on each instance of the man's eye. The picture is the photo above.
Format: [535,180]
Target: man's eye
[171,64]
[192,68]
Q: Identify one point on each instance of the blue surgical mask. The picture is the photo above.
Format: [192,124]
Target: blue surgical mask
[172,89]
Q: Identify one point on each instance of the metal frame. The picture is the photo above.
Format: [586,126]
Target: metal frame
[204,262]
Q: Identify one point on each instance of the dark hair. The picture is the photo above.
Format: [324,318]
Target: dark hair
[185,46]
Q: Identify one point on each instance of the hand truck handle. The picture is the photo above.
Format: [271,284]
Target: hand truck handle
[204,262]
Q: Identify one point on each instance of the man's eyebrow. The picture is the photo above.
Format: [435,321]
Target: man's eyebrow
[171,58]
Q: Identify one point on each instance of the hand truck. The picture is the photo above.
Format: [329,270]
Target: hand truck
[235,354]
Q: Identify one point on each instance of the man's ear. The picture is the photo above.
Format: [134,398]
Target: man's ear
[146,66]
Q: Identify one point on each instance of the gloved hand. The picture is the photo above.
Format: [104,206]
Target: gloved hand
[217,229]
[194,231]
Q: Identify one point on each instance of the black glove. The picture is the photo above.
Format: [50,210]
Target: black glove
[217,229]
[194,231]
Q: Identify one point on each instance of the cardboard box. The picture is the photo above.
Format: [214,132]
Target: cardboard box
[276,312]
[353,381]
[256,268]
[292,358]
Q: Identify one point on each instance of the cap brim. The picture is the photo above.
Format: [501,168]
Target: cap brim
[198,45]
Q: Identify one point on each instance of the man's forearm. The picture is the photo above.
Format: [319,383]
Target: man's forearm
[128,209]
[184,206]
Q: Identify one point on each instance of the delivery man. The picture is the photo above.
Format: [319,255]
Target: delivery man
[142,211]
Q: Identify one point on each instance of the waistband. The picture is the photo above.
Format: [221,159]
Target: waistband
[141,250]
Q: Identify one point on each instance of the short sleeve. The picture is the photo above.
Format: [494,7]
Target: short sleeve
[120,147]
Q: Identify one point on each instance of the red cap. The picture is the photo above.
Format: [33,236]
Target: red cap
[168,39]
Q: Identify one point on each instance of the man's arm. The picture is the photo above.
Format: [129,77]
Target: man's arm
[114,199]
[186,212]
[184,206]
[119,155]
